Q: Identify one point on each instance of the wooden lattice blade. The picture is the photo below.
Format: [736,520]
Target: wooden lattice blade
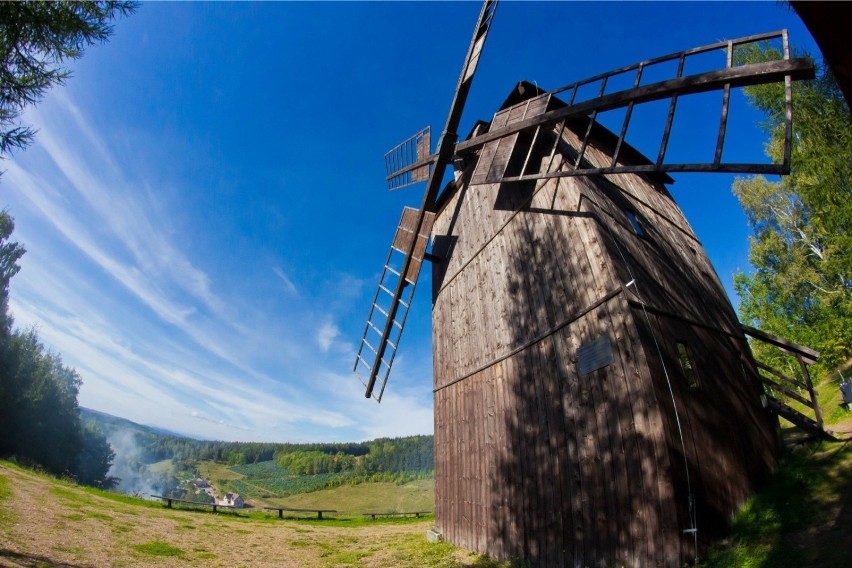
[404,236]
[723,79]
[410,161]
[392,301]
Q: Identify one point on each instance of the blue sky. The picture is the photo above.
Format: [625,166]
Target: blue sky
[204,207]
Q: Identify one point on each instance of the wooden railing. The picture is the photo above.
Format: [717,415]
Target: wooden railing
[799,389]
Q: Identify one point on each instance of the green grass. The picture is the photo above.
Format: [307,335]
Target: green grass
[157,548]
[346,521]
[796,520]
[194,536]
[161,466]
[366,497]
[829,397]
[5,492]
[6,516]
[217,472]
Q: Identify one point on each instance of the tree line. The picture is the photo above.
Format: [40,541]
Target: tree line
[40,421]
[382,455]
[414,454]
[383,459]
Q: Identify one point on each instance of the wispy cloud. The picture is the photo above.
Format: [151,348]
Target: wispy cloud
[111,284]
[289,287]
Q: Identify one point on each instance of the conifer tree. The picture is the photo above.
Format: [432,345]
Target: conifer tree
[36,39]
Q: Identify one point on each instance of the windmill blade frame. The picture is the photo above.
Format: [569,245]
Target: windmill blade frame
[723,79]
[410,161]
[445,153]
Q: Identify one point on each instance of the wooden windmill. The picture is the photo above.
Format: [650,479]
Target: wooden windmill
[595,400]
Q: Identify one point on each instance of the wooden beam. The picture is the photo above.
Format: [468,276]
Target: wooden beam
[768,169]
[782,376]
[444,156]
[418,164]
[792,394]
[808,355]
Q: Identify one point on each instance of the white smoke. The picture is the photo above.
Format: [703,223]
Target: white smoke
[135,477]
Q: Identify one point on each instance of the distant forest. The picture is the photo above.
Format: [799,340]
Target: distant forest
[412,453]
[278,468]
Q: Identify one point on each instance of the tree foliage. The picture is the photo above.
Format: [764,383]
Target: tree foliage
[40,421]
[95,459]
[801,244]
[36,39]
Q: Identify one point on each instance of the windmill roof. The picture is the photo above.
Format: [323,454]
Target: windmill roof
[525,90]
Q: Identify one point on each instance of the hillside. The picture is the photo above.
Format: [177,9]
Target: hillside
[45,522]
[109,424]
[801,519]
[149,460]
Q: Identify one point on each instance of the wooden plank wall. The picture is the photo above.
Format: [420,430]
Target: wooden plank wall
[534,461]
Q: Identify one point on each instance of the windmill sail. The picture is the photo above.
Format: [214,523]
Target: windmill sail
[410,162]
[558,113]
[420,223]
[377,351]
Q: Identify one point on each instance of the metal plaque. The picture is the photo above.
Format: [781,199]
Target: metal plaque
[594,355]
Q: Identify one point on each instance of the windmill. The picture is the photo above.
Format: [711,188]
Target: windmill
[594,395]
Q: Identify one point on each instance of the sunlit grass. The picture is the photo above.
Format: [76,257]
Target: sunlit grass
[6,516]
[158,548]
[808,493]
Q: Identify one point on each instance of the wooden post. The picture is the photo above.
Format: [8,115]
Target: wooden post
[280,513]
[807,377]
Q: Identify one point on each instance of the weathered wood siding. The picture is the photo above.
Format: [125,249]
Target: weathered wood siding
[534,461]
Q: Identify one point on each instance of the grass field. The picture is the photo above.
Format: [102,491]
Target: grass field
[802,518]
[351,500]
[161,466]
[46,522]
[217,471]
[367,497]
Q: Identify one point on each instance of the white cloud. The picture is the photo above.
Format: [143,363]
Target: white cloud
[326,335]
[185,365]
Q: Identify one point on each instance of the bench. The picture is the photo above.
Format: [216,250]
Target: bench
[281,510]
[415,513]
[170,500]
